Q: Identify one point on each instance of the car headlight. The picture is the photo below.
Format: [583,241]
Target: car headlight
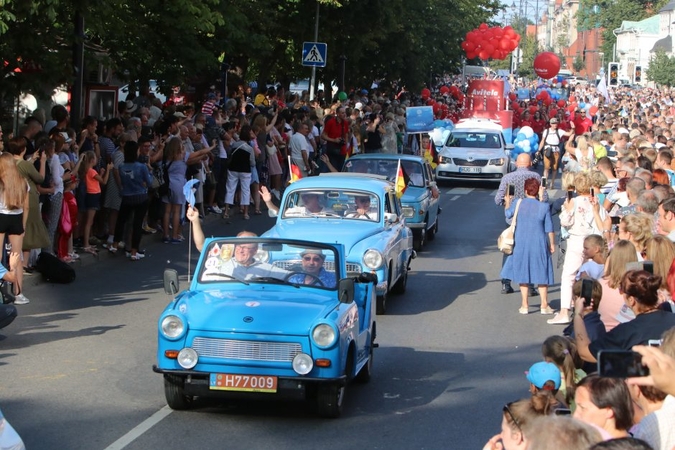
[303,364]
[444,159]
[187,358]
[497,162]
[408,211]
[324,335]
[373,259]
[172,327]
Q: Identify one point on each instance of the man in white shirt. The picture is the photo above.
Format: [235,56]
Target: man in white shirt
[300,148]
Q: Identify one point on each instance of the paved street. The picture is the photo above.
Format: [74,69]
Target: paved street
[77,363]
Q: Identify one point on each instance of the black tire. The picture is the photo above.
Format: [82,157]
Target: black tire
[402,282]
[418,239]
[367,371]
[381,304]
[329,399]
[431,235]
[174,391]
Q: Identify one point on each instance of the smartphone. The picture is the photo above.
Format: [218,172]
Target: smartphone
[543,181]
[648,266]
[563,412]
[654,342]
[616,220]
[592,192]
[512,190]
[570,195]
[621,364]
[587,290]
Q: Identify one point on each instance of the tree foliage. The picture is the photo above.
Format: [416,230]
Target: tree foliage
[178,41]
[661,69]
[608,15]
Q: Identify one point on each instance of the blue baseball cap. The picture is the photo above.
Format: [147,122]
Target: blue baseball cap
[542,372]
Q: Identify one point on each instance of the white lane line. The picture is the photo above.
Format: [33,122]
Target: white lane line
[461,191]
[141,428]
[455,197]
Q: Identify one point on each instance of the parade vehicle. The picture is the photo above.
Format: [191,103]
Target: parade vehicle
[420,200]
[267,318]
[474,150]
[359,211]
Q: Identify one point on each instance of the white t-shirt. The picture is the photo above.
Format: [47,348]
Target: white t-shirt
[298,144]
[57,171]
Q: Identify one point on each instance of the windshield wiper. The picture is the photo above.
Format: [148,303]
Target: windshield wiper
[225,275]
[325,214]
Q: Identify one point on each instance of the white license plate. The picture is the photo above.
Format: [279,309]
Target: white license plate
[469,170]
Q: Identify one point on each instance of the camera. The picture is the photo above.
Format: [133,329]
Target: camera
[341,141]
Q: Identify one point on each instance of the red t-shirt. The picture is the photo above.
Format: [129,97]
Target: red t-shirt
[337,130]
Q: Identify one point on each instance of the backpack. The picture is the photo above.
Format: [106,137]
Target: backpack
[163,188]
[54,270]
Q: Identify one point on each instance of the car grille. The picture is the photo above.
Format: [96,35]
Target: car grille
[246,350]
[473,163]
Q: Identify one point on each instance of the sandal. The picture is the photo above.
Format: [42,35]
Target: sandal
[92,250]
[246,217]
[257,212]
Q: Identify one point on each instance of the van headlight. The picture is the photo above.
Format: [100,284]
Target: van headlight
[324,335]
[172,327]
[408,211]
[373,259]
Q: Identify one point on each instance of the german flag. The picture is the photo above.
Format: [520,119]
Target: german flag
[294,172]
[401,181]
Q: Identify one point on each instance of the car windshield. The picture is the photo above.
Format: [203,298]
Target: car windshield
[247,261]
[333,203]
[473,139]
[413,171]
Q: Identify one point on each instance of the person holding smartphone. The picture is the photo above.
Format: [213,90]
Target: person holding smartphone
[640,292]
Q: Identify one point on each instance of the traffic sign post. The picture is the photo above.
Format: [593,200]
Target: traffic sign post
[314,54]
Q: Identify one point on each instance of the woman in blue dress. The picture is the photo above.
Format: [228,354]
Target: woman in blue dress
[531,261]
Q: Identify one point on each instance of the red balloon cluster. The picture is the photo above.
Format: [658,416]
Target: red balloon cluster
[486,43]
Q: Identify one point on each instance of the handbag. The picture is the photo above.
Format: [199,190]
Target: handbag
[547,151]
[506,239]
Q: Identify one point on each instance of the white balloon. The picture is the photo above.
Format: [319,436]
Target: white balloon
[527,131]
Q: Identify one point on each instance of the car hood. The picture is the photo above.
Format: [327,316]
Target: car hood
[260,310]
[475,153]
[413,194]
[330,232]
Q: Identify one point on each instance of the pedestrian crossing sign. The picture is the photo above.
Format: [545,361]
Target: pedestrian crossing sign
[314,54]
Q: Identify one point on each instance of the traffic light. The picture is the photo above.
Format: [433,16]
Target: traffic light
[613,74]
[638,74]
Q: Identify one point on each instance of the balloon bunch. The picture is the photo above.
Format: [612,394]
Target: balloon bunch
[442,110]
[526,141]
[486,43]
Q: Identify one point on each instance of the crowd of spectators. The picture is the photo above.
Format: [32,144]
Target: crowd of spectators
[616,237]
[104,186]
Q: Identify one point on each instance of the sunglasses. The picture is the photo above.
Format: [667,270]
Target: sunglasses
[507,410]
[312,258]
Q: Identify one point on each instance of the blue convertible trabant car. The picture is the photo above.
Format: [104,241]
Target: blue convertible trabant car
[267,317]
[420,200]
[359,211]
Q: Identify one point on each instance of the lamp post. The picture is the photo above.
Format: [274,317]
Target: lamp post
[224,67]
[312,82]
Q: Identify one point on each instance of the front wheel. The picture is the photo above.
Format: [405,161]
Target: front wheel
[418,239]
[433,230]
[174,391]
[329,400]
[381,304]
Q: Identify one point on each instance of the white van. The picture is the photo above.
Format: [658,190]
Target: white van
[475,71]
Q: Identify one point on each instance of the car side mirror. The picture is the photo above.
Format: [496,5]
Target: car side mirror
[171,282]
[390,218]
[510,146]
[346,290]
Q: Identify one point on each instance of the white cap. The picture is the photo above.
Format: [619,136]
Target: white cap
[358,106]
[659,145]
[623,131]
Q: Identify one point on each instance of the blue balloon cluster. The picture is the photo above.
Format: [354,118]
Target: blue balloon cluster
[445,124]
[526,141]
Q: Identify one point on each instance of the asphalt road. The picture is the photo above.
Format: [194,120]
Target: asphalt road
[76,364]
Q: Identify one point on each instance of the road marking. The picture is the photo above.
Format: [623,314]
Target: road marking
[141,428]
[455,197]
[460,191]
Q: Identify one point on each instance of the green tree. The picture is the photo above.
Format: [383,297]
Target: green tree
[578,64]
[528,45]
[662,69]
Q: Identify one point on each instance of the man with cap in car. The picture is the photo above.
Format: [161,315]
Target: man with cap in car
[314,273]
